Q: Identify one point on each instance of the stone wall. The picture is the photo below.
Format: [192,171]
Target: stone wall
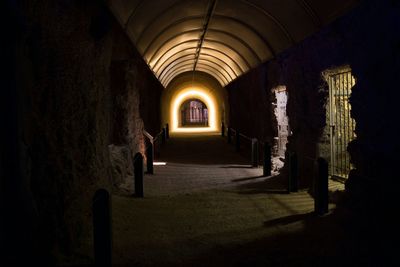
[252,118]
[75,95]
[366,39]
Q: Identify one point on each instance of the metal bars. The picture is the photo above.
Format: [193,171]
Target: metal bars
[341,124]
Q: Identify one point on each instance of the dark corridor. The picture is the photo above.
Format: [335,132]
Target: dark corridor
[94,94]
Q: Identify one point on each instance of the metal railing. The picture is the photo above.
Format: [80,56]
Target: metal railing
[256,154]
[342,125]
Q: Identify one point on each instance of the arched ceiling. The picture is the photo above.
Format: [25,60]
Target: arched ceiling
[224,38]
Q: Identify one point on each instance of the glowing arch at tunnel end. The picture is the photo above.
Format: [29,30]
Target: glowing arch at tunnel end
[193,93]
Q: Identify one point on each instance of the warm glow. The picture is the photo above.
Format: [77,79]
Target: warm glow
[194,93]
[159,163]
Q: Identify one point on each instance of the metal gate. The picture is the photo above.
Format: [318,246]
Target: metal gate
[342,126]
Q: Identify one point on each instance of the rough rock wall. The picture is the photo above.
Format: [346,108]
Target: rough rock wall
[135,107]
[252,118]
[65,52]
[367,40]
[68,115]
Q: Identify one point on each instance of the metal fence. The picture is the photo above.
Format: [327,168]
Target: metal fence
[341,124]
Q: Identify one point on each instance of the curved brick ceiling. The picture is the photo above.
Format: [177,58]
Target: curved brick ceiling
[224,38]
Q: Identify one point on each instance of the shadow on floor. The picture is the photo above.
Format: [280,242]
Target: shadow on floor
[248,178]
[237,167]
[290,219]
[331,240]
[271,184]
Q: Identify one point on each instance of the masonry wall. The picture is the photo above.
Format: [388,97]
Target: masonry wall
[75,87]
[367,40]
[250,117]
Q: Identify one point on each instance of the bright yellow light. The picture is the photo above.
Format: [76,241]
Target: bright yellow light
[155,163]
[194,93]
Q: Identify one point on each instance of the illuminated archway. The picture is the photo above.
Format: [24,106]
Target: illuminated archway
[202,87]
[194,93]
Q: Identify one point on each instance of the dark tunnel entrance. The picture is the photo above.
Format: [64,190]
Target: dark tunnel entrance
[193,113]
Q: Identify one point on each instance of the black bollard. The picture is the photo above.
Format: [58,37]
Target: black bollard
[222,129]
[293,172]
[267,167]
[163,136]
[237,141]
[229,135]
[167,131]
[138,172]
[291,159]
[150,157]
[102,228]
[287,160]
[322,192]
[254,152]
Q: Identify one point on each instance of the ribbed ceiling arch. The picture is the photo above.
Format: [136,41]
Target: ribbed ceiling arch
[224,38]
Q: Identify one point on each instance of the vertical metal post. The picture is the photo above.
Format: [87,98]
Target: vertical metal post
[102,228]
[167,131]
[222,129]
[150,158]
[332,124]
[229,135]
[138,173]
[156,147]
[322,194]
[237,140]
[163,136]
[337,123]
[267,166]
[293,172]
[254,152]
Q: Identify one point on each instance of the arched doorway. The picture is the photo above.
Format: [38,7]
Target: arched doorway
[211,98]
[193,113]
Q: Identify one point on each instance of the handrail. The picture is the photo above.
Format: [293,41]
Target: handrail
[157,135]
[255,152]
[245,136]
[148,135]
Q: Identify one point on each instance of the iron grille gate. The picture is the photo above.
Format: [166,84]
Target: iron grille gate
[342,126]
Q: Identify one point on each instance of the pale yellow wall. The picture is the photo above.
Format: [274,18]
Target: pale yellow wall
[203,87]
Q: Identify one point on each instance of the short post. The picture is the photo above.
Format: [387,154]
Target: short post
[267,166]
[292,176]
[322,193]
[138,173]
[254,152]
[237,140]
[293,172]
[163,136]
[167,131]
[222,129]
[150,157]
[102,228]
[229,135]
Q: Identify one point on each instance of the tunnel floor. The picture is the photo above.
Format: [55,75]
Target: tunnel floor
[208,207]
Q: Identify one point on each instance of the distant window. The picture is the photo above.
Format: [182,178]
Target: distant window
[194,113]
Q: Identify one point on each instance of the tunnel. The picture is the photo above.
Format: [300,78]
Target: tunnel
[199,133]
